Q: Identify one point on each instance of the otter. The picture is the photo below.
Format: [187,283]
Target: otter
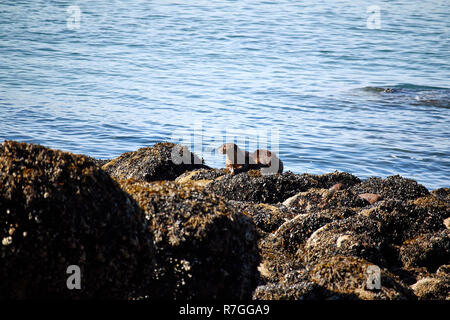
[267,161]
[238,160]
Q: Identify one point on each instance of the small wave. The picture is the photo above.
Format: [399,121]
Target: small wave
[413,94]
[404,87]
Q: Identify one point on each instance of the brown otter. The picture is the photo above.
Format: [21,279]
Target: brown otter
[238,160]
[267,161]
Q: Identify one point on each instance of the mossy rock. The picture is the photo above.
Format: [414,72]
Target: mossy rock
[353,236]
[348,275]
[429,250]
[252,186]
[59,209]
[163,161]
[393,187]
[205,248]
[404,220]
[267,217]
[315,200]
[295,232]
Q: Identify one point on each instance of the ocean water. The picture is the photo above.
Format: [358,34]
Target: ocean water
[356,86]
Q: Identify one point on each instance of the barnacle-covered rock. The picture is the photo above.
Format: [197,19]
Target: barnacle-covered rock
[59,209]
[293,233]
[435,287]
[350,275]
[200,177]
[205,248]
[442,194]
[254,187]
[430,250]
[404,220]
[275,261]
[327,180]
[354,236]
[434,204]
[306,290]
[99,162]
[163,161]
[267,217]
[393,187]
[315,200]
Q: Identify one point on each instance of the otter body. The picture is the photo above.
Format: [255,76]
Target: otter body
[238,160]
[268,161]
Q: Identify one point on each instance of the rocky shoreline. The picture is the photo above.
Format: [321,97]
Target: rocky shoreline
[142,227]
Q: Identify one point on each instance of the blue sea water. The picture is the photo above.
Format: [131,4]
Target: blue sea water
[133,73]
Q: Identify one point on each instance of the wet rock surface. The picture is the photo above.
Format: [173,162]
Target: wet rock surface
[205,249]
[201,177]
[429,250]
[315,200]
[348,275]
[144,227]
[354,236]
[252,186]
[393,187]
[434,287]
[163,161]
[267,217]
[296,231]
[59,209]
[403,220]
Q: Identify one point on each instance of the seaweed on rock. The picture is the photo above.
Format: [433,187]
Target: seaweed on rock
[59,209]
[163,161]
[205,248]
